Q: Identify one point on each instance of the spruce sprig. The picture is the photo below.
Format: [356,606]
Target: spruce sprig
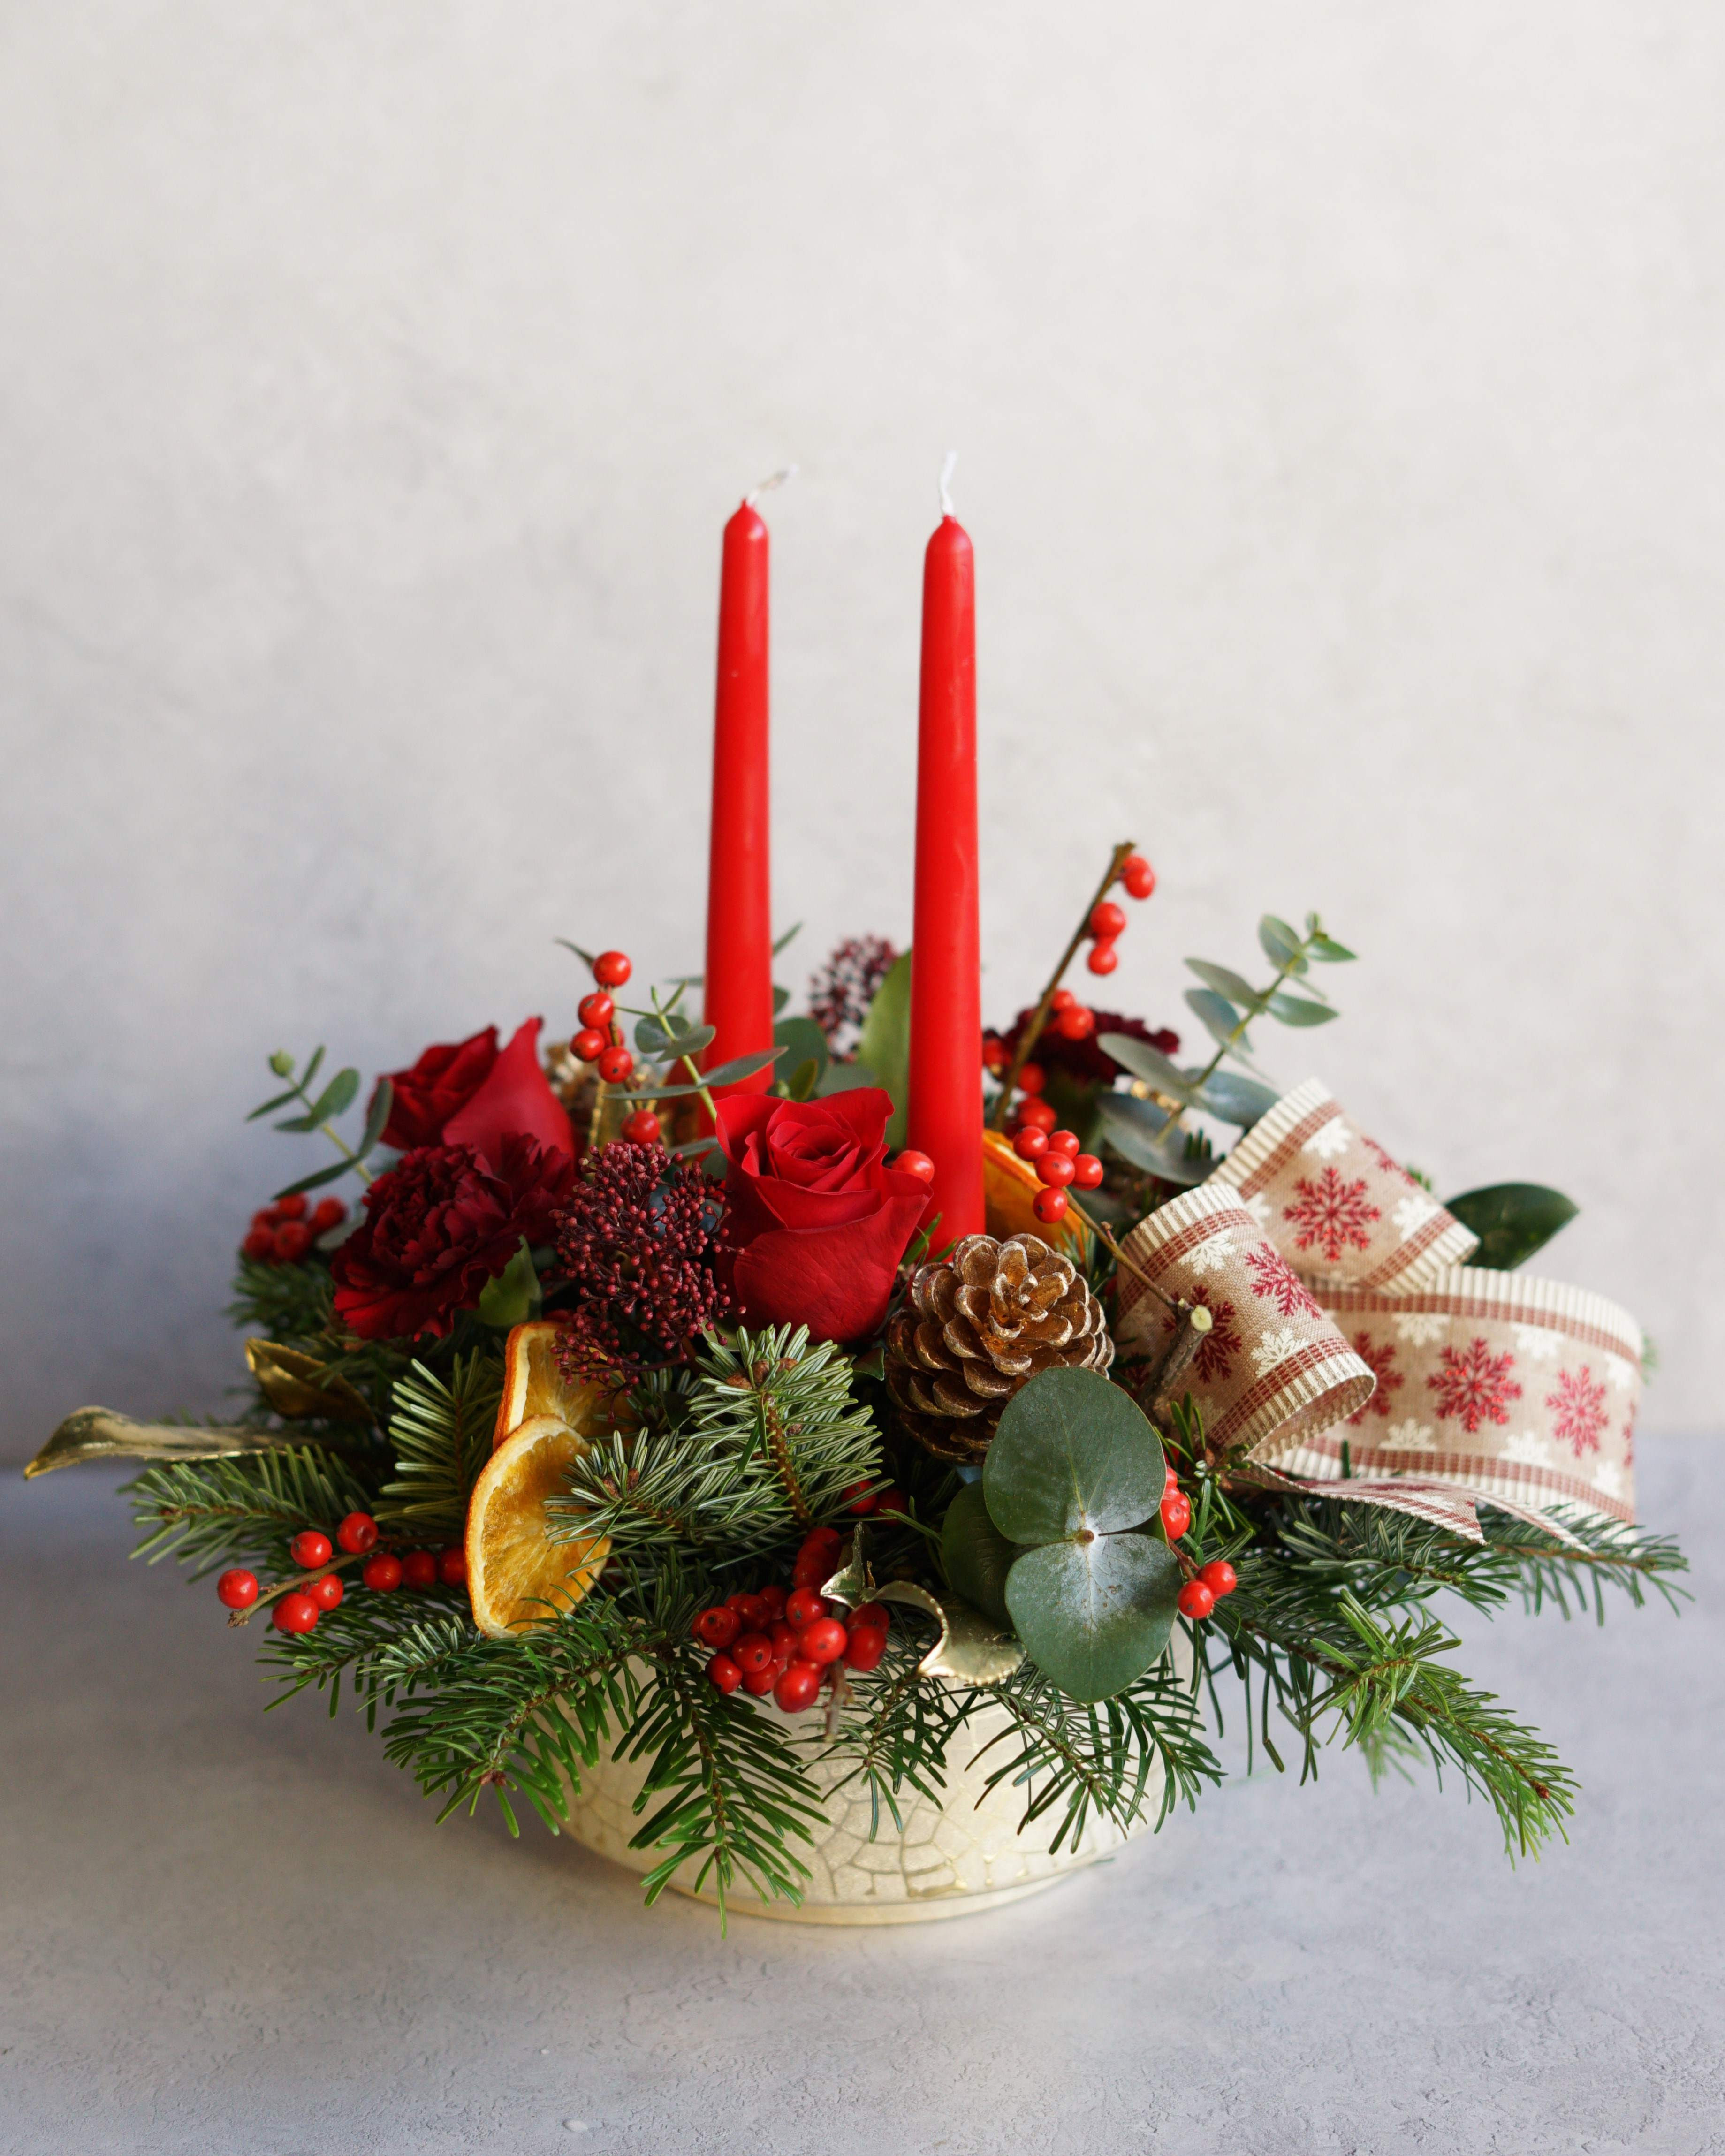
[208,1512]
[895,1730]
[441,1435]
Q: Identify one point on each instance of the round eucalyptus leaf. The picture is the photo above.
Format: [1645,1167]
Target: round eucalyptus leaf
[977,1557]
[1224,981]
[1094,1616]
[1073,1455]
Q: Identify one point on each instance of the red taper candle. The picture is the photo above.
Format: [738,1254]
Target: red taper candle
[945,1114]
[738,991]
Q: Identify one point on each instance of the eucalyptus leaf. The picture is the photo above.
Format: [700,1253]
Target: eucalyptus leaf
[1242,1102]
[280,1100]
[336,1098]
[585,957]
[317,1179]
[1094,1616]
[789,937]
[311,1070]
[1512,1220]
[1143,1061]
[844,1078]
[1133,1140]
[382,1101]
[803,1041]
[1281,944]
[1224,980]
[1219,1017]
[655,1037]
[885,1043]
[742,1066]
[976,1555]
[1298,1010]
[1073,1455]
[781,996]
[511,1297]
[1328,949]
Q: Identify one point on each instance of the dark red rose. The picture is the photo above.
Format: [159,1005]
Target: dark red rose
[437,1227]
[466,1093]
[817,1220]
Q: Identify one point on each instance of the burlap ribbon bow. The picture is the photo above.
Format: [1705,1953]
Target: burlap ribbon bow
[1342,1316]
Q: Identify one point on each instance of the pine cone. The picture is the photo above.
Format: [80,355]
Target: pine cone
[979,1325]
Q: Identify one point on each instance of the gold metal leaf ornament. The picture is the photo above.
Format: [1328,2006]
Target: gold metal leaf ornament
[100,1434]
[294,1384]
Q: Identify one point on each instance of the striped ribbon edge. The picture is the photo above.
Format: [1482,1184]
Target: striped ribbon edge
[1318,1459]
[1174,1230]
[1275,1137]
[1504,1299]
[1325,1377]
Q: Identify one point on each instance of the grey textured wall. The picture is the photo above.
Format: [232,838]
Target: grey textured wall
[1339,394]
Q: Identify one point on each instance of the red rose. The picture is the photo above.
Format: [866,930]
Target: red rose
[437,1226]
[817,1220]
[467,1093]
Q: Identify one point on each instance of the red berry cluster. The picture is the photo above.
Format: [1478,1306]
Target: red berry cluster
[1058,1161]
[300,1609]
[1201,1593]
[1107,921]
[787,1643]
[283,1233]
[600,1039]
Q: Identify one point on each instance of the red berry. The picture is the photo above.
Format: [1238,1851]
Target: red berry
[642,1128]
[799,1686]
[1077,1023]
[293,1208]
[759,1682]
[805,1607]
[872,1616]
[823,1641]
[861,1497]
[589,1044]
[772,1599]
[328,1213]
[418,1569]
[1030,1143]
[596,1010]
[617,1066]
[822,1538]
[993,1053]
[1103,958]
[890,1500]
[237,1589]
[717,1628]
[752,1651]
[783,1637]
[1032,1078]
[270,1217]
[1220,1577]
[1050,1206]
[1036,1115]
[911,1162]
[1061,999]
[1065,1142]
[383,1573]
[1107,921]
[293,1238]
[611,969]
[1176,1514]
[1196,1600]
[452,1566]
[753,1613]
[1087,1172]
[294,1613]
[1170,1478]
[310,1549]
[260,1246]
[327,1593]
[357,1533]
[723,1674]
[865,1648]
[1055,1169]
[1137,875]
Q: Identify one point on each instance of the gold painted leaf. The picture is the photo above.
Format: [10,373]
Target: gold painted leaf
[100,1434]
[972,1648]
[294,1384]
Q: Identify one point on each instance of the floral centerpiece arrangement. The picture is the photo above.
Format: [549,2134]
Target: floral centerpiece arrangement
[796,1407]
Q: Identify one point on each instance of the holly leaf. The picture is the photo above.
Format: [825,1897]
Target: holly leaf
[1512,1220]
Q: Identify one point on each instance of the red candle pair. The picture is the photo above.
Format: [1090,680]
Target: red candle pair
[945,1108]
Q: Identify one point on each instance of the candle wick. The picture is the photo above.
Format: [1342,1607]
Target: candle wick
[767,485]
[948,469]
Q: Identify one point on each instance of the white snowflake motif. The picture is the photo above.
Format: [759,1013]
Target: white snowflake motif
[1420,1327]
[1408,1435]
[1538,1343]
[1411,1213]
[1619,1375]
[1276,1347]
[1335,1137]
[1260,1208]
[1216,1251]
[1529,1447]
[1610,1479]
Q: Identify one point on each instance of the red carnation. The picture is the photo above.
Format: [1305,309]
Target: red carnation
[470,1093]
[1083,1060]
[440,1224]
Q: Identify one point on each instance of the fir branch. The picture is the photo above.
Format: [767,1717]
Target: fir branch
[441,1434]
[1612,1555]
[895,1731]
[207,1512]
[295,1304]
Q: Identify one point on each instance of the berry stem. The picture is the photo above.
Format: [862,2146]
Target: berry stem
[298,1581]
[1100,1230]
[1021,1055]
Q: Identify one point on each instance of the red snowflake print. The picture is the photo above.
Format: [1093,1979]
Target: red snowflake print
[1214,1363]
[1272,1281]
[1473,1387]
[1378,1361]
[1387,1161]
[1332,1214]
[1577,1410]
[1629,1440]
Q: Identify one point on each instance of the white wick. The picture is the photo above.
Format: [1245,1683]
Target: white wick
[767,485]
[947,471]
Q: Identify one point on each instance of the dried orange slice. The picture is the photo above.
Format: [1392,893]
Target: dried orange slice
[517,1576]
[1010,1188]
[534,1385]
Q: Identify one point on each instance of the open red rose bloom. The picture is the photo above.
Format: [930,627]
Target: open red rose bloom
[819,1222]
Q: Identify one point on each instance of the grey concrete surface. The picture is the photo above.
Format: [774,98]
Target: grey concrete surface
[231,1932]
